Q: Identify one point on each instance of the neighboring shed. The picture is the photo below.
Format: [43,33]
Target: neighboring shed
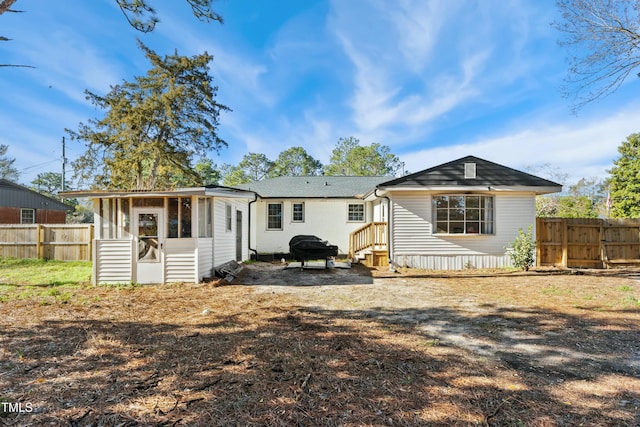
[464,213]
[20,205]
[167,236]
[330,207]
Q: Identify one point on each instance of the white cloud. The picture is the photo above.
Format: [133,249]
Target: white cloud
[582,148]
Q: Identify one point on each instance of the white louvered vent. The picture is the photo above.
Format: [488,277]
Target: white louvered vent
[469,170]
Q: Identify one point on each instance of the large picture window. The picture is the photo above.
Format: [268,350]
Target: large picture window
[274,216]
[463,214]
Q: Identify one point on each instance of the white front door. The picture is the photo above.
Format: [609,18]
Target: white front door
[148,227]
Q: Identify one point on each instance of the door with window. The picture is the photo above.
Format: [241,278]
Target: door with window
[148,229]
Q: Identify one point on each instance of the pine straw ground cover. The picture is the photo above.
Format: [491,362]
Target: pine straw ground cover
[405,350]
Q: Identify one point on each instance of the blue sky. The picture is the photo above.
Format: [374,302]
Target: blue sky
[434,80]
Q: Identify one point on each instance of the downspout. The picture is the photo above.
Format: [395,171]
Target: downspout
[389,239]
[255,199]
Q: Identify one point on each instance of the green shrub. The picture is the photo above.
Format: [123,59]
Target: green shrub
[523,250]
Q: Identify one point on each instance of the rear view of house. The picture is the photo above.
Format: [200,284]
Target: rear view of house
[464,213]
[330,207]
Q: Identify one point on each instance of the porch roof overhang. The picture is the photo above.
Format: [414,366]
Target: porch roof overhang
[212,191]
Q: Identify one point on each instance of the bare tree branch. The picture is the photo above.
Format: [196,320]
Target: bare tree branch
[17,66]
[602,38]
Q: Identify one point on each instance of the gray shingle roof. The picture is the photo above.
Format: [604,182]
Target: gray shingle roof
[17,196]
[314,186]
[487,174]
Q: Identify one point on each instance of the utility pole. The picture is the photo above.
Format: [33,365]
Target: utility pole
[64,165]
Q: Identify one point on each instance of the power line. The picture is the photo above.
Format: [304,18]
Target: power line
[28,168]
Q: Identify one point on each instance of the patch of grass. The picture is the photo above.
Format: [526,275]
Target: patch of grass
[630,300]
[554,290]
[43,295]
[42,272]
[46,282]
[124,286]
[625,288]
[431,343]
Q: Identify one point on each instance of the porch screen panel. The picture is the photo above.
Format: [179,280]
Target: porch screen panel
[173,218]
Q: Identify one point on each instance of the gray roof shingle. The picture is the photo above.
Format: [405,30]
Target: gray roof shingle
[17,196]
[314,186]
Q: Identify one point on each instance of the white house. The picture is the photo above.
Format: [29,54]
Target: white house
[330,207]
[463,213]
[167,236]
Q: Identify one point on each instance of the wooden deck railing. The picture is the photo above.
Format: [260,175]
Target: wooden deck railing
[370,236]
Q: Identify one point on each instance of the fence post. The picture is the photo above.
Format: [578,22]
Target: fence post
[565,242]
[538,251]
[90,244]
[39,241]
[601,238]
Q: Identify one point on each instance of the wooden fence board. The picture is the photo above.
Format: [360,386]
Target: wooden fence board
[63,242]
[587,242]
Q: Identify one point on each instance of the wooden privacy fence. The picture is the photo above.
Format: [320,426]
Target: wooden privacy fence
[63,242]
[587,243]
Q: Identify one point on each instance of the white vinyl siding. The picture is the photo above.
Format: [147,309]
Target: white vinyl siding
[415,245]
[224,242]
[205,258]
[112,261]
[411,226]
[180,260]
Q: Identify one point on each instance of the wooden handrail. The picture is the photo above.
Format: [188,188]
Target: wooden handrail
[370,236]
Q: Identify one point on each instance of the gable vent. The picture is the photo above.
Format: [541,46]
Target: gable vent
[469,171]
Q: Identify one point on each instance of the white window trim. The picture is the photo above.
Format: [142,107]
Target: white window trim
[297,221]
[364,212]
[24,210]
[470,171]
[228,217]
[281,217]
[434,225]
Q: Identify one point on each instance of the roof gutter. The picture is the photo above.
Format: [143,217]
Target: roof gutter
[255,199]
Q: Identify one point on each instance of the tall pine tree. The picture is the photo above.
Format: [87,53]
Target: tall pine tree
[153,127]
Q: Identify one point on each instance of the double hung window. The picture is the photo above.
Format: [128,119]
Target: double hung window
[274,216]
[297,214]
[355,212]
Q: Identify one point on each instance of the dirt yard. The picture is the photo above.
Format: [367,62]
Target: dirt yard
[328,348]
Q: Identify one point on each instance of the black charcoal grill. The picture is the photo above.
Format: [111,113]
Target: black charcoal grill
[306,247]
